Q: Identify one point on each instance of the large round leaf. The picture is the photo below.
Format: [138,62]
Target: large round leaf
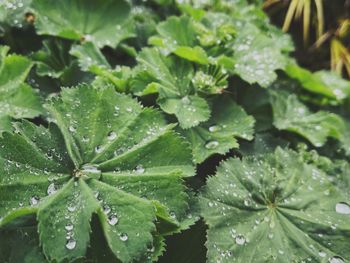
[105,155]
[275,209]
[17,99]
[98,21]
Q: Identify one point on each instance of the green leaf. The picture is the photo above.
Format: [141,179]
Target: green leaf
[5,123]
[262,143]
[274,208]
[190,110]
[104,155]
[176,94]
[177,35]
[12,12]
[177,30]
[89,56]
[64,219]
[219,133]
[291,115]
[257,56]
[345,137]
[216,30]
[17,99]
[323,82]
[54,59]
[91,20]
[195,54]
[91,59]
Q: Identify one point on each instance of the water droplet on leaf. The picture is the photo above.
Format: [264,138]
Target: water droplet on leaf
[342,208]
[106,209]
[51,189]
[214,128]
[123,237]
[69,227]
[240,239]
[71,208]
[98,149]
[185,100]
[111,136]
[212,145]
[34,200]
[71,243]
[139,169]
[113,220]
[72,129]
[336,259]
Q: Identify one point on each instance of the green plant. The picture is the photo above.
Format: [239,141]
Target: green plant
[115,114]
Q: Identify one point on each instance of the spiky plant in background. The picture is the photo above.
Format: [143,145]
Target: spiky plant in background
[325,30]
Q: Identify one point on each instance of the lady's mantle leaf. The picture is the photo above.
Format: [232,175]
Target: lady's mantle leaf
[12,12]
[17,99]
[257,56]
[274,208]
[54,59]
[178,36]
[91,59]
[98,21]
[291,115]
[105,155]
[326,83]
[89,56]
[217,135]
[172,80]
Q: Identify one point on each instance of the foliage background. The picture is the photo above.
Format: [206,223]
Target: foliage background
[190,60]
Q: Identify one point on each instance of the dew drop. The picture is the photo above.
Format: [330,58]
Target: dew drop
[69,227]
[247,202]
[116,113]
[123,237]
[214,128]
[172,214]
[212,145]
[185,100]
[71,243]
[322,254]
[240,239]
[88,37]
[111,136]
[72,129]
[336,259]
[51,189]
[106,209]
[139,169]
[34,200]
[69,235]
[98,149]
[71,208]
[113,220]
[48,155]
[342,208]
